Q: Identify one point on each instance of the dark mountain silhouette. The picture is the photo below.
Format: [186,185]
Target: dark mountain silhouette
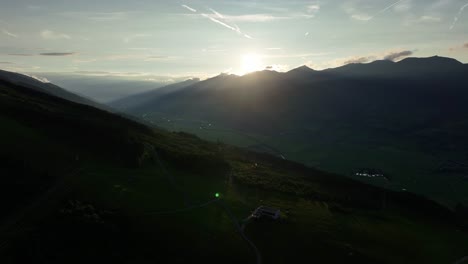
[417,105]
[97,187]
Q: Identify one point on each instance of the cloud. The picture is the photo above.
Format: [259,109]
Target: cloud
[6,32]
[430,19]
[97,16]
[189,8]
[361,17]
[38,78]
[356,15]
[299,55]
[403,7]
[57,53]
[20,54]
[394,56]
[160,58]
[136,36]
[313,9]
[6,62]
[456,18]
[51,35]
[278,68]
[254,18]
[364,59]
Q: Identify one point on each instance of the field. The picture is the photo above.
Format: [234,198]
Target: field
[409,167]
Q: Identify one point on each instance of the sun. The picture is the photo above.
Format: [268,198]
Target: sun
[251,62]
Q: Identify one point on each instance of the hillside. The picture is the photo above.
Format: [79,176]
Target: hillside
[407,118]
[82,185]
[37,84]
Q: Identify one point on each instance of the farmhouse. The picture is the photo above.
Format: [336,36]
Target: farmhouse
[266,212]
[370,173]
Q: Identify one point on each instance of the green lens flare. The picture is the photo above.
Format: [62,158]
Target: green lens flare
[217,195]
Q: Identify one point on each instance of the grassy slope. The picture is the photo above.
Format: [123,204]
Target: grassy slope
[128,173]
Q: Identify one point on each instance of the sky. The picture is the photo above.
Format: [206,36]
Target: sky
[203,38]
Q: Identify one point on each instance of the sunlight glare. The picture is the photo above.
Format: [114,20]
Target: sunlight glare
[251,62]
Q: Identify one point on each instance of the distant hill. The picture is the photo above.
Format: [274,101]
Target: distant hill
[150,96]
[46,87]
[379,114]
[107,88]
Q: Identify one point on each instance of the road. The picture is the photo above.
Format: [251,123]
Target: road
[231,216]
[240,229]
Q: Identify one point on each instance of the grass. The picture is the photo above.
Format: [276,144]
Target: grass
[409,167]
[114,209]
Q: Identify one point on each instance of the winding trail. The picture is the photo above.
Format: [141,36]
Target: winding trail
[240,229]
[231,216]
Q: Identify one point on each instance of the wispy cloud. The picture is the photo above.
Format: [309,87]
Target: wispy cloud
[394,56]
[459,47]
[313,8]
[429,19]
[58,53]
[357,15]
[8,33]
[391,55]
[51,35]
[364,59]
[254,18]
[457,17]
[136,36]
[160,58]
[189,8]
[21,54]
[38,78]
[299,55]
[97,16]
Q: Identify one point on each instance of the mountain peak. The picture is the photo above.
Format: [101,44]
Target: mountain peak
[432,60]
[303,68]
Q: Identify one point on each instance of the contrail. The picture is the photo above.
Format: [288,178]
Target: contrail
[219,15]
[6,32]
[218,20]
[385,9]
[222,23]
[455,19]
[189,8]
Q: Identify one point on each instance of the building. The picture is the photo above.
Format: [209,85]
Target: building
[371,173]
[266,212]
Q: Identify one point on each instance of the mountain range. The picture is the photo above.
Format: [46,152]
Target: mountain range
[405,117]
[85,185]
